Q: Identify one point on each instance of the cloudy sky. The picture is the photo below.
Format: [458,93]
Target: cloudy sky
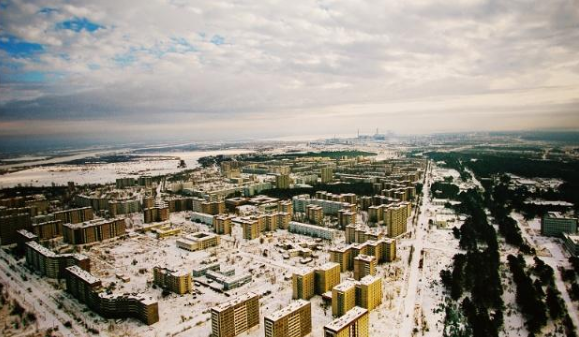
[248,69]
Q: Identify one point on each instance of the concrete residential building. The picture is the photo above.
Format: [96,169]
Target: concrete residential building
[555,224]
[342,257]
[369,292]
[326,277]
[326,174]
[282,181]
[311,230]
[51,264]
[177,282]
[236,316]
[315,214]
[343,298]
[213,207]
[160,212]
[303,284]
[295,320]
[571,244]
[355,323]
[48,230]
[222,224]
[76,215]
[93,230]
[364,265]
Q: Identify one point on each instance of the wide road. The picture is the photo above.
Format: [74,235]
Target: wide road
[409,301]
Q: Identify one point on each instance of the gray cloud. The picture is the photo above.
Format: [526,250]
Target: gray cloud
[317,60]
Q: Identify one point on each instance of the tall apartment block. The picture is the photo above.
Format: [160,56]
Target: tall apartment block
[213,207]
[48,230]
[326,277]
[295,320]
[355,323]
[93,231]
[51,264]
[11,221]
[88,289]
[343,298]
[315,214]
[364,265]
[286,206]
[160,212]
[369,292]
[346,218]
[326,174]
[282,181]
[303,284]
[555,224]
[76,215]
[177,282]
[236,316]
[222,224]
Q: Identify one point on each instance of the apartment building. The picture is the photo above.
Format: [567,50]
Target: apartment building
[555,224]
[369,292]
[159,212]
[364,265]
[93,230]
[295,320]
[236,316]
[222,224]
[47,230]
[311,230]
[51,264]
[74,216]
[326,277]
[303,284]
[355,323]
[343,298]
[179,282]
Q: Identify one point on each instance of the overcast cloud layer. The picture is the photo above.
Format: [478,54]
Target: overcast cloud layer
[237,69]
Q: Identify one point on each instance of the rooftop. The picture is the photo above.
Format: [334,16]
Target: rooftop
[83,274]
[224,306]
[91,223]
[294,306]
[342,322]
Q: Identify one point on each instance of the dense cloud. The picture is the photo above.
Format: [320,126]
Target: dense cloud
[244,67]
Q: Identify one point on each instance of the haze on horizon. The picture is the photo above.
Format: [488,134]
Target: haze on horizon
[246,69]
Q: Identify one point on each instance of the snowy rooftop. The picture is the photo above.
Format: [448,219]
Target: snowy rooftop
[328,266]
[235,301]
[365,258]
[369,279]
[90,223]
[348,318]
[345,285]
[294,306]
[83,274]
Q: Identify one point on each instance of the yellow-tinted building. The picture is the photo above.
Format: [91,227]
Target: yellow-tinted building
[315,214]
[303,284]
[295,320]
[343,298]
[222,224]
[213,207]
[251,229]
[326,174]
[355,323]
[342,257]
[364,265]
[236,316]
[369,292]
[282,181]
[346,218]
[177,282]
[326,277]
[286,206]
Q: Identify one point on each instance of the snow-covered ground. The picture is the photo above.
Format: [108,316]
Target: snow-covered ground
[151,164]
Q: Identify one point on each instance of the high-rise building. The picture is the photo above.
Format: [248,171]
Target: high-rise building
[369,292]
[364,265]
[303,284]
[555,224]
[251,229]
[343,298]
[295,320]
[326,277]
[315,214]
[159,212]
[326,174]
[236,316]
[342,257]
[213,207]
[177,282]
[282,181]
[355,323]
[222,224]
[93,230]
[286,206]
[48,230]
[346,218]
[10,224]
[76,215]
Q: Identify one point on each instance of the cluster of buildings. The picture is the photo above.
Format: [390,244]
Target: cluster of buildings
[565,227]
[89,290]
